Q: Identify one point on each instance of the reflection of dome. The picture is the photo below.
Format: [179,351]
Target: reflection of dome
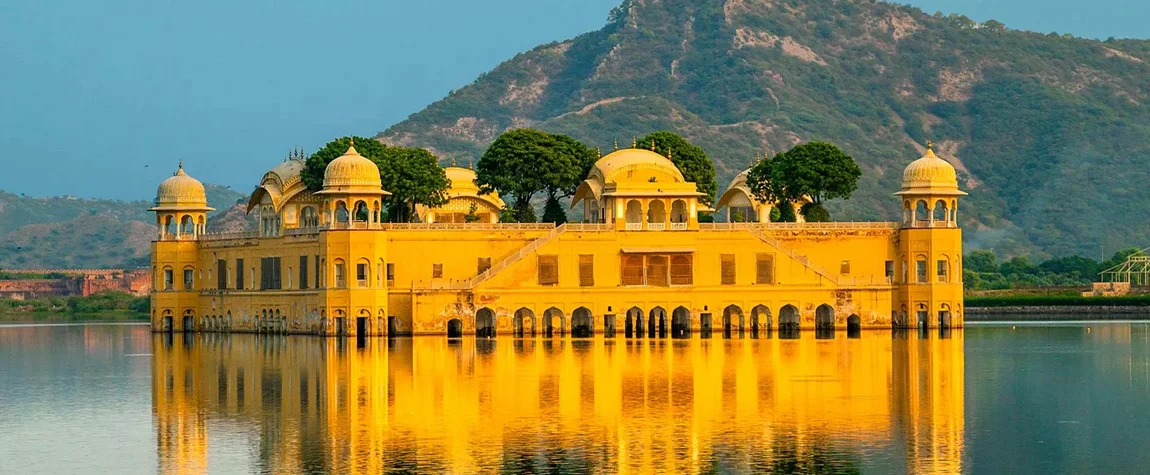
[351,172]
[609,168]
[929,173]
[181,191]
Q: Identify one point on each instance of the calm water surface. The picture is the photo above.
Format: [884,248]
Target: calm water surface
[989,399]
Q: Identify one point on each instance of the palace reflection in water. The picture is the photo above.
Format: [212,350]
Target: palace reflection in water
[291,404]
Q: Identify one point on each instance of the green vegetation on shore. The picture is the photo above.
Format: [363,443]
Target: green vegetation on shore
[111,305]
[981,270]
[1057,301]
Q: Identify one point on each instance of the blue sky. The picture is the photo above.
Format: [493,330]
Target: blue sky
[102,99]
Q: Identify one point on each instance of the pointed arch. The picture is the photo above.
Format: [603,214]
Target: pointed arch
[582,323]
[485,323]
[680,322]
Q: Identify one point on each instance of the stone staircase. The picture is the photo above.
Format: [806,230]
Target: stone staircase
[517,256]
[804,260]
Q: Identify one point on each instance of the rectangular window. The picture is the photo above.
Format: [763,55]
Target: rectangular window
[682,271]
[318,269]
[942,268]
[361,275]
[168,279]
[302,272]
[390,273]
[270,273]
[289,279]
[548,270]
[632,270]
[727,269]
[189,279]
[586,270]
[340,278]
[239,274]
[437,271]
[379,274]
[845,268]
[890,270]
[765,269]
[921,271]
[657,270]
[484,264]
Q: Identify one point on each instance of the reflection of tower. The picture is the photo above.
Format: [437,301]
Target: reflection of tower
[928,387]
[181,429]
[929,246]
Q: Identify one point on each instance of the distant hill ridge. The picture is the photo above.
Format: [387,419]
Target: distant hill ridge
[70,232]
[1049,133]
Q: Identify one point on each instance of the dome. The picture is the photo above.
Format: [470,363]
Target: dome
[288,172]
[462,179]
[614,164]
[930,174]
[181,191]
[352,173]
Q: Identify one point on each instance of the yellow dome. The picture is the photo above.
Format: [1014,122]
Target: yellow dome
[614,164]
[929,174]
[351,173]
[181,191]
[462,179]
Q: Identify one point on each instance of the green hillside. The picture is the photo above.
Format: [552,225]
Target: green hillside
[1050,133]
[69,232]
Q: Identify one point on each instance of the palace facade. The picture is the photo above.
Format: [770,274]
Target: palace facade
[639,265]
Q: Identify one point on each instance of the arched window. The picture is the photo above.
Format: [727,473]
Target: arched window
[308,218]
[953,212]
[362,273]
[340,274]
[361,212]
[940,212]
[169,225]
[657,215]
[922,211]
[187,225]
[168,277]
[634,215]
[906,215]
[189,278]
[679,215]
[341,215]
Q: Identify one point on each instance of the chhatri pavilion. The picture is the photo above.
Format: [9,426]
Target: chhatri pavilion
[639,265]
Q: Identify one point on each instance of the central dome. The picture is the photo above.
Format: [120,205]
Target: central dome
[614,164]
[352,172]
[181,191]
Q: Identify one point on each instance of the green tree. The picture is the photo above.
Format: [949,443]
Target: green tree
[815,213]
[691,160]
[1072,266]
[472,214]
[980,261]
[316,163]
[1119,257]
[818,170]
[768,186]
[412,176]
[524,162]
[553,211]
[1018,265]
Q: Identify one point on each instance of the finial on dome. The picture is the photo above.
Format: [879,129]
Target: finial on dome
[598,152]
[652,145]
[634,142]
[351,147]
[669,154]
[453,161]
[616,144]
[470,164]
[180,169]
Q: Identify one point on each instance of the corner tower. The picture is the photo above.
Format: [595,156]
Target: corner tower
[181,216]
[353,250]
[930,246]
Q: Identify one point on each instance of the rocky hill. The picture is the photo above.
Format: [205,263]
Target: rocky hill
[1050,133]
[70,232]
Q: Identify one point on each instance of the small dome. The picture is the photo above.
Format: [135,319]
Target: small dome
[461,178]
[288,171]
[352,172]
[181,191]
[929,173]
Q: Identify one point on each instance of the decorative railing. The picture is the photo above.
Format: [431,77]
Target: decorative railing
[469,226]
[590,227]
[656,226]
[678,226]
[229,236]
[634,226]
[797,226]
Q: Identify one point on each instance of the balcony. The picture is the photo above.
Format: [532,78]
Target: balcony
[657,226]
[678,226]
[634,226]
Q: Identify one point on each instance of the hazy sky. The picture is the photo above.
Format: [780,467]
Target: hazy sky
[103,98]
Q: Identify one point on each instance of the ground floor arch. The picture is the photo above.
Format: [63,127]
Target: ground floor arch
[788,321]
[732,320]
[657,322]
[854,324]
[455,328]
[582,323]
[485,323]
[760,319]
[523,322]
[633,323]
[680,323]
[554,322]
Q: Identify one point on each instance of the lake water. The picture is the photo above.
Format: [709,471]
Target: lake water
[989,399]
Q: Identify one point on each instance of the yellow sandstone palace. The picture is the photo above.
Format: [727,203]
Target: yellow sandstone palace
[639,265]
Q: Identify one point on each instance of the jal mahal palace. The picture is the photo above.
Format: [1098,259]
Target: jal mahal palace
[639,265]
